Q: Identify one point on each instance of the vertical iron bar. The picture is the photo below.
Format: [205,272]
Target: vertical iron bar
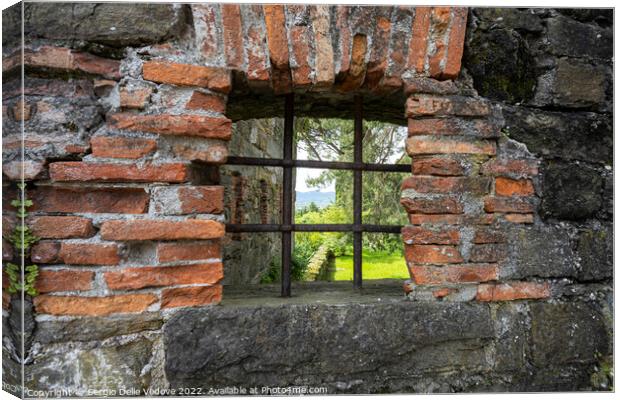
[287,195]
[357,195]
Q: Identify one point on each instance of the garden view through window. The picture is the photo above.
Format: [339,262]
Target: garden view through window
[321,196]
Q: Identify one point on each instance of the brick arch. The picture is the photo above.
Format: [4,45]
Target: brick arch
[147,178]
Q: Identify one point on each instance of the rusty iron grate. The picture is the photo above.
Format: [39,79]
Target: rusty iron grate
[288,163]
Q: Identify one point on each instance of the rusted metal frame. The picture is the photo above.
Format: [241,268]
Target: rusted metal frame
[357,194]
[351,166]
[287,195]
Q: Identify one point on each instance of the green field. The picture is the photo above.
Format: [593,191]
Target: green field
[375,265]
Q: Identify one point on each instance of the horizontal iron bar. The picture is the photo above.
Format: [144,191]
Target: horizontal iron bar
[275,162]
[236,228]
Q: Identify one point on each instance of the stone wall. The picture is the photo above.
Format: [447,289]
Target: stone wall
[126,123]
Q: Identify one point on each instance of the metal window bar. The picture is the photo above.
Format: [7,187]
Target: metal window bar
[286,227]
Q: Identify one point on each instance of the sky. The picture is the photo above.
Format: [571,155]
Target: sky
[305,173]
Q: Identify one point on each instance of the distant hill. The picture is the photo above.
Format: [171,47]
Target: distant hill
[321,199]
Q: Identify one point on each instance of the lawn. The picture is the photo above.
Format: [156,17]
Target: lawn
[375,265]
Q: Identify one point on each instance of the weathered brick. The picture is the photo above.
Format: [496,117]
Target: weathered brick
[216,79]
[440,19]
[89,200]
[7,250]
[207,102]
[59,227]
[73,305]
[143,277]
[442,292]
[419,39]
[432,254]
[437,184]
[191,296]
[183,125]
[465,273]
[488,235]
[63,280]
[28,169]
[512,168]
[452,126]
[378,58]
[433,145]
[161,229]
[21,111]
[344,43]
[324,53]
[422,84]
[258,68]
[185,251]
[509,205]
[135,97]
[436,166]
[513,291]
[354,77]
[520,218]
[95,172]
[419,235]
[233,35]
[45,252]
[66,59]
[428,105]
[444,205]
[299,38]
[121,147]
[456,42]
[488,253]
[513,187]
[89,254]
[447,219]
[212,154]
[202,199]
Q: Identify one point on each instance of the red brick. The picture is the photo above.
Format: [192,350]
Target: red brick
[511,167]
[445,205]
[121,147]
[443,292]
[452,126]
[324,74]
[432,254]
[456,42]
[185,251]
[422,84]
[135,97]
[58,227]
[97,65]
[207,102]
[429,105]
[144,277]
[65,59]
[89,200]
[440,19]
[96,172]
[216,79]
[233,35]
[519,218]
[45,252]
[465,273]
[258,67]
[437,184]
[275,23]
[206,19]
[488,253]
[513,187]
[513,291]
[29,170]
[378,60]
[419,39]
[161,229]
[183,125]
[436,166]
[213,154]
[202,199]
[449,219]
[419,235]
[89,254]
[344,29]
[73,305]
[487,235]
[354,77]
[509,205]
[21,111]
[299,38]
[191,296]
[63,280]
[432,145]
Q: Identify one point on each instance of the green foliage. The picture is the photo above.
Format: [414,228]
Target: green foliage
[376,265]
[22,239]
[272,275]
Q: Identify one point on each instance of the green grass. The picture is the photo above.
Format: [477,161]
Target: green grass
[375,265]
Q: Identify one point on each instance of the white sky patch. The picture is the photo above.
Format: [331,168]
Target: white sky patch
[304,173]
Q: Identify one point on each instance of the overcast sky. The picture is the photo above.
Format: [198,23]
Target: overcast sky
[305,173]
